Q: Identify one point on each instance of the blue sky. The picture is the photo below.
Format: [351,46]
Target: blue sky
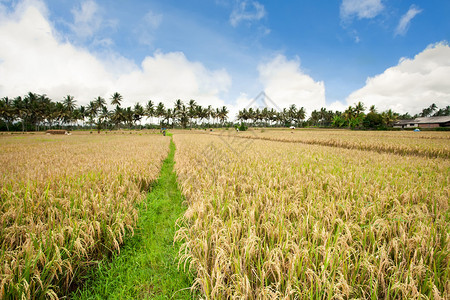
[311,53]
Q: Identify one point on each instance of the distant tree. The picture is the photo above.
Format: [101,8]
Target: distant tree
[138,113]
[426,112]
[372,120]
[118,116]
[405,116]
[339,121]
[7,111]
[100,102]
[92,111]
[223,114]
[160,112]
[150,110]
[359,108]
[116,99]
[442,112]
[128,114]
[192,111]
[389,117]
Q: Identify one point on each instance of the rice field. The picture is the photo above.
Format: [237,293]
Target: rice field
[281,220]
[270,214]
[428,144]
[68,202]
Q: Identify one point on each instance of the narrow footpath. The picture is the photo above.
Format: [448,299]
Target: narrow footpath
[147,265]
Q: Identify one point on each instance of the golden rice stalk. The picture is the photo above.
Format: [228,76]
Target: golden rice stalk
[269,220]
[67,201]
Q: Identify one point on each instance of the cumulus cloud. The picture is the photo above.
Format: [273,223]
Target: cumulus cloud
[247,11]
[33,59]
[411,85]
[286,83]
[172,76]
[405,20]
[362,9]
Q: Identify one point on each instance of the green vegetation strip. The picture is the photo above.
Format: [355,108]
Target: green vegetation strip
[147,265]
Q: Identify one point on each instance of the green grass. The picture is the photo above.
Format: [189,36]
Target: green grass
[147,265]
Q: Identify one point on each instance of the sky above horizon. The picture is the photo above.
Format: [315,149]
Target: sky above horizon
[389,53]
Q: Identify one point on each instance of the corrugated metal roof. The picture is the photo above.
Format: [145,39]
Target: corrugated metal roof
[428,120]
[443,119]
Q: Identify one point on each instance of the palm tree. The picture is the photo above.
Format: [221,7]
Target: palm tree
[301,115]
[100,102]
[183,116]
[128,116]
[103,117]
[201,113]
[117,116]
[177,106]
[209,113]
[69,105]
[150,110]
[6,111]
[138,113]
[359,108]
[292,112]
[373,109]
[20,109]
[160,112]
[116,99]
[349,114]
[192,110]
[223,114]
[169,114]
[389,117]
[315,117]
[92,111]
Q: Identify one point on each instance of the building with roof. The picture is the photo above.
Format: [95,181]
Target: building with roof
[425,122]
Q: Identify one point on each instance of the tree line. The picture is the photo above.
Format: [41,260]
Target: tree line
[353,117]
[37,111]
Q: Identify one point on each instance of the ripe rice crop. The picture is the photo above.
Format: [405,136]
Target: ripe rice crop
[428,144]
[66,202]
[269,220]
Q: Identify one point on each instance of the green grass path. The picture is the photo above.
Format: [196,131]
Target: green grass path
[147,265]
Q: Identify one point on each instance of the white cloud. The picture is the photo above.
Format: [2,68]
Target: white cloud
[247,11]
[145,31]
[405,20]
[171,76]
[411,85]
[33,59]
[86,20]
[285,83]
[362,9]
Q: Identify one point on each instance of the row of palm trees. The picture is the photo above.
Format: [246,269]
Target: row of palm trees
[265,116]
[352,117]
[35,112]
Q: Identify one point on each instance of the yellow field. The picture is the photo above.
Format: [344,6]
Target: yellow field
[428,144]
[271,219]
[66,201]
